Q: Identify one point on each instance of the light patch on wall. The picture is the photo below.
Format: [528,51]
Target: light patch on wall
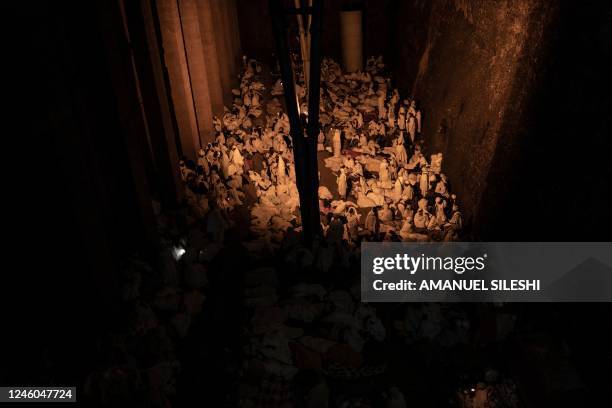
[464,7]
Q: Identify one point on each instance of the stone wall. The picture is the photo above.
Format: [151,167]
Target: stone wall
[504,86]
[472,78]
[202,54]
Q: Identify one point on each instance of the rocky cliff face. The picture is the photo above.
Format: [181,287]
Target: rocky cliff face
[487,78]
[473,77]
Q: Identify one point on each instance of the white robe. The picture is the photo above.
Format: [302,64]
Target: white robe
[424,184]
[324,193]
[376,198]
[337,143]
[441,188]
[371,222]
[440,216]
[281,172]
[422,218]
[408,192]
[391,118]
[401,120]
[383,175]
[398,187]
[237,159]
[342,184]
[225,162]
[353,225]
[400,153]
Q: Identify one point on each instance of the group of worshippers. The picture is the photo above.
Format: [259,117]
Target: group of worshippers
[377,156]
[374,148]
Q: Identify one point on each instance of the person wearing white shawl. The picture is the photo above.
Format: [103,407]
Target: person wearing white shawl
[456,221]
[225,163]
[246,98]
[220,139]
[400,151]
[440,215]
[341,181]
[352,226]
[436,163]
[408,192]
[424,182]
[363,141]
[267,140]
[372,223]
[236,162]
[359,120]
[398,188]
[441,187]
[324,193]
[412,109]
[386,215]
[383,175]
[422,217]
[337,143]
[391,118]
[282,124]
[281,171]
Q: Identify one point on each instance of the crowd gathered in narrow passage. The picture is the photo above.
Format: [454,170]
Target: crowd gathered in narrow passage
[385,189]
[233,302]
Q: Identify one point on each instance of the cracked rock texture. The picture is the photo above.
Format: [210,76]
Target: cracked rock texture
[495,79]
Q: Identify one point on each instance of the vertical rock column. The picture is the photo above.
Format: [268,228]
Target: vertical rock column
[227,33]
[201,51]
[352,40]
[197,69]
[157,106]
[176,63]
[220,38]
[211,55]
[235,31]
[223,51]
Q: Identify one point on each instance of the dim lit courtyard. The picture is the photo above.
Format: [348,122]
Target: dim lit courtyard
[218,165]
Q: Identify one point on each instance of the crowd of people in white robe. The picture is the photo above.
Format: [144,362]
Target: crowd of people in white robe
[408,196]
[376,154]
[292,328]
